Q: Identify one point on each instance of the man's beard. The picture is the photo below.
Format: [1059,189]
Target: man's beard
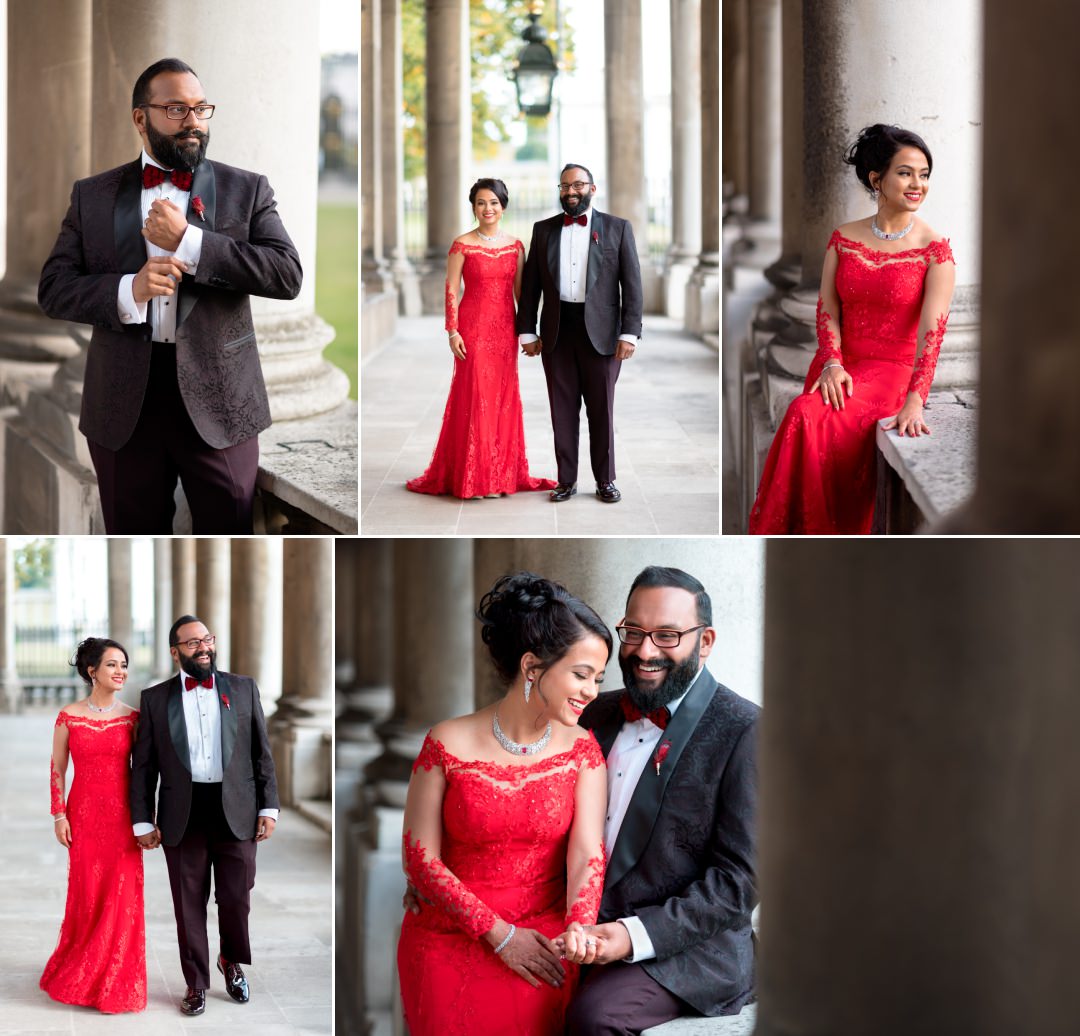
[679,677]
[577,208]
[173,155]
[197,669]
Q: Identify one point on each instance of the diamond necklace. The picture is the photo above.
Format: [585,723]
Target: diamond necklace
[512,746]
[885,236]
[100,708]
[484,237]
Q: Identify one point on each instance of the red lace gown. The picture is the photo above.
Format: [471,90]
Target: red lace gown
[820,475]
[100,958]
[505,832]
[481,447]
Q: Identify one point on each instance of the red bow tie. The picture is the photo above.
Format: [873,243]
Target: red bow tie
[567,220]
[190,683]
[154,177]
[632,713]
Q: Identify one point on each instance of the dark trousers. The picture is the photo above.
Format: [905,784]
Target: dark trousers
[209,845]
[575,371]
[137,481]
[621,1000]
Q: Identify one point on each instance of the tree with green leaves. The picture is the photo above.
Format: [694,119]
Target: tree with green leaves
[34,565]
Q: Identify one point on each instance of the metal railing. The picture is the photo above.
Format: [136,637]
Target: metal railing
[42,653]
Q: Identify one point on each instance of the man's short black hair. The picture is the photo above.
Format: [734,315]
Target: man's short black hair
[141,93]
[182,621]
[576,165]
[658,575]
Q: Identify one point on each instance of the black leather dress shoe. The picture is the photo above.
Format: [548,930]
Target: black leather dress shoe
[235,983]
[563,491]
[194,1001]
[608,493]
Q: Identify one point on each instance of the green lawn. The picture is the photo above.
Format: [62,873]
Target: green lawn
[336,288]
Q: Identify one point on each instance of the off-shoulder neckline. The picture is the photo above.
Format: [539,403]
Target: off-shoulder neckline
[903,253]
[514,243]
[581,741]
[133,714]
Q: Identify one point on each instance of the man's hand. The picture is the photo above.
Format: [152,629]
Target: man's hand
[533,348]
[165,226]
[151,840]
[265,828]
[159,276]
[612,943]
[624,350]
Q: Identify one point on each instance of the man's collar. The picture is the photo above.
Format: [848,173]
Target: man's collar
[147,160]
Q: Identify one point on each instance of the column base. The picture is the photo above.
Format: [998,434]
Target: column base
[407,285]
[378,322]
[299,381]
[676,278]
[302,759]
[28,335]
[703,298]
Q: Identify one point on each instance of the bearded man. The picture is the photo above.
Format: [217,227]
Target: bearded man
[160,256]
[203,732]
[674,936]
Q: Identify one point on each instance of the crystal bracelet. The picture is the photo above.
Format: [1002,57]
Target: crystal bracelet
[509,935]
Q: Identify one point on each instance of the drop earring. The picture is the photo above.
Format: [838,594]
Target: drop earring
[528,689]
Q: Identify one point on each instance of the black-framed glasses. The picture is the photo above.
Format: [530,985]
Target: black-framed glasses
[635,635]
[208,640]
[578,185]
[178,112]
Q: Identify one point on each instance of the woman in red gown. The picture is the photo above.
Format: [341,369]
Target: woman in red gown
[504,828]
[100,957]
[481,447]
[886,286]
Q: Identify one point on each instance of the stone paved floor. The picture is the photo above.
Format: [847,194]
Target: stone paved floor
[666,444]
[291,920]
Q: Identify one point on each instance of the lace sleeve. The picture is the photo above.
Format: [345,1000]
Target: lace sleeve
[827,317]
[437,882]
[937,296]
[58,766]
[586,858]
[455,260]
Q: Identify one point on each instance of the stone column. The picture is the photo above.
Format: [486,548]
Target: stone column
[183,578]
[1027,471]
[760,242]
[212,592]
[300,729]
[121,624]
[373,271]
[624,103]
[703,291]
[392,175]
[163,606]
[251,640]
[736,169]
[448,137]
[49,133]
[916,829]
[10,688]
[685,152]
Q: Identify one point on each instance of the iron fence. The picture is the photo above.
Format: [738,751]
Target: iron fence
[43,653]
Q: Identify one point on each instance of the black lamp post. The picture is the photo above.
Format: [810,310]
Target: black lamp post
[536,71]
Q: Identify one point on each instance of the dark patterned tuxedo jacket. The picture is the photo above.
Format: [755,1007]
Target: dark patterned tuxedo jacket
[684,858]
[613,297]
[245,251]
[161,749]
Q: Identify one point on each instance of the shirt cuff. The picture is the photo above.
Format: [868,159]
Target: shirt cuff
[639,940]
[190,248]
[129,311]
[271,813]
[142,829]
[527,339]
[632,339]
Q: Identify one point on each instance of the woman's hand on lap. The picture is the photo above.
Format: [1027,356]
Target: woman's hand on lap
[832,382]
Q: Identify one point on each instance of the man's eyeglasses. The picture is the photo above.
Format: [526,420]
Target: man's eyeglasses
[635,635]
[192,645]
[177,112]
[578,185]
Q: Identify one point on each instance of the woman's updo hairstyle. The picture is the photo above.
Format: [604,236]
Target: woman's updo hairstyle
[497,187]
[89,653]
[874,150]
[524,612]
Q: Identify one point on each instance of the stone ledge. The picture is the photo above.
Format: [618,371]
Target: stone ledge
[741,1024]
[936,472]
[310,466]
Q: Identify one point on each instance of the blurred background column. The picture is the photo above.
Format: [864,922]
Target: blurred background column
[10,690]
[183,577]
[163,607]
[212,596]
[120,618]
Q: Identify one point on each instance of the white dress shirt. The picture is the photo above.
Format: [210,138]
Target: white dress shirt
[202,718]
[634,747]
[163,308]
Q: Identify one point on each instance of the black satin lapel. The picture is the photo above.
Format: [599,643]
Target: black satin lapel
[127,221]
[645,803]
[228,719]
[553,242]
[596,251]
[203,187]
[178,725]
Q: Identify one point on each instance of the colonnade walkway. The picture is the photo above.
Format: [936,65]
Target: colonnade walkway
[666,443]
[291,920]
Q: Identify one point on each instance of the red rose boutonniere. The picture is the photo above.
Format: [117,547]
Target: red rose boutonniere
[225,702]
[595,237]
[200,211]
[661,755]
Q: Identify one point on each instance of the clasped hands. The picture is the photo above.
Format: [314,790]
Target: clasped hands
[151,840]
